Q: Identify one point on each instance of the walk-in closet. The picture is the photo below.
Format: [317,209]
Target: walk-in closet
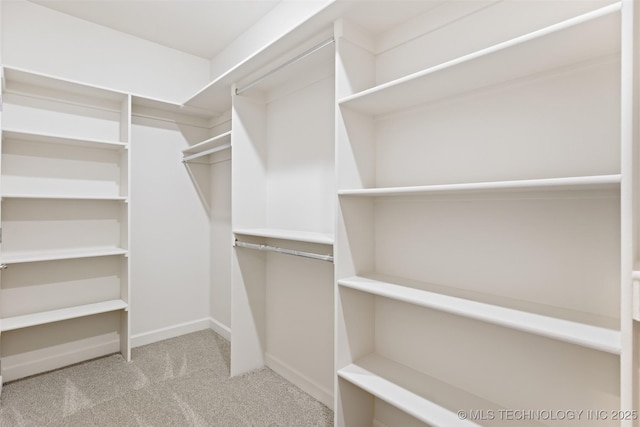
[377,213]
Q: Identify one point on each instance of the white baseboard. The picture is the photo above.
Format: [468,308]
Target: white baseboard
[50,358]
[295,377]
[223,330]
[39,361]
[169,332]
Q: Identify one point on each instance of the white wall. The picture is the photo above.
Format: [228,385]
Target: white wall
[169,235]
[220,295]
[40,39]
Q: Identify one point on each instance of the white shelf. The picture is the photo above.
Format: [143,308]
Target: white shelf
[61,139]
[28,320]
[17,80]
[210,146]
[421,396]
[550,48]
[63,197]
[144,106]
[298,236]
[22,257]
[582,334]
[215,96]
[599,182]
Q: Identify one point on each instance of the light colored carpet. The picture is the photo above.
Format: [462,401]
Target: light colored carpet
[182,381]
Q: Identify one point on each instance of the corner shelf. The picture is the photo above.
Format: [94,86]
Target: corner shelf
[22,257]
[28,320]
[598,182]
[574,332]
[212,145]
[542,50]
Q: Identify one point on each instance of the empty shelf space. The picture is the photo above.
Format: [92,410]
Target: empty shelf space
[298,236]
[210,146]
[37,256]
[546,49]
[430,400]
[599,182]
[582,334]
[61,139]
[28,320]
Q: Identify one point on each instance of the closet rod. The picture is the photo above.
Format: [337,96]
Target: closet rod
[283,251]
[304,54]
[206,152]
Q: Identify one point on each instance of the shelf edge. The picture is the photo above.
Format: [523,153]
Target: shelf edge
[582,334]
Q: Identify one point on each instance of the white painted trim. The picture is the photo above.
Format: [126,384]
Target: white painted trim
[16,367]
[169,332]
[295,377]
[221,329]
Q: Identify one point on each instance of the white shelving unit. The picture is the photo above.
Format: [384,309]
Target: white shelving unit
[283,201]
[65,213]
[482,208]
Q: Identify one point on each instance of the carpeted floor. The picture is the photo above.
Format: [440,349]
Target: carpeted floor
[179,382]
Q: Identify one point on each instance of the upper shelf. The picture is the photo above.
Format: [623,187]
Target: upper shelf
[598,182]
[586,37]
[277,233]
[16,80]
[210,146]
[59,139]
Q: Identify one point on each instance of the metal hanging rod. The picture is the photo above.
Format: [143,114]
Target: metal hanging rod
[304,54]
[268,248]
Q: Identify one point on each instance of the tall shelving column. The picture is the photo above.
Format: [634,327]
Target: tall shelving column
[283,197]
[65,223]
[483,218]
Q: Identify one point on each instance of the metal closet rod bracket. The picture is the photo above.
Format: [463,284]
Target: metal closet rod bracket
[269,248]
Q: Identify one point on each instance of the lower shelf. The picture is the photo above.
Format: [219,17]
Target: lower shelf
[421,396]
[28,320]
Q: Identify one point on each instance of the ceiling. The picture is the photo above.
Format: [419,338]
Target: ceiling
[205,27]
[199,27]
